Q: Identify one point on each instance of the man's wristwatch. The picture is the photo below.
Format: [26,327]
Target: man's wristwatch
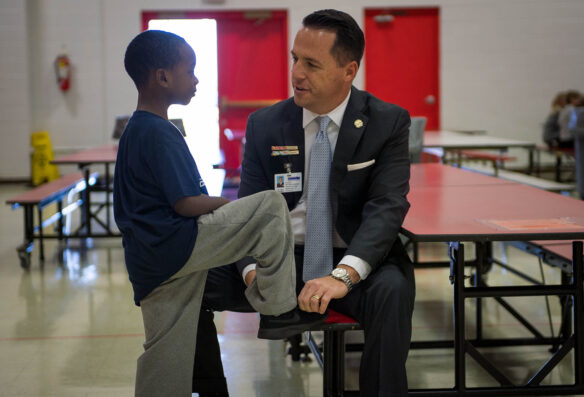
[341,274]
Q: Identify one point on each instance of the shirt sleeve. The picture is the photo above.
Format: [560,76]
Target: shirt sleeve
[360,266]
[247,269]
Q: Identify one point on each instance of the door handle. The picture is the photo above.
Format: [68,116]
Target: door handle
[430,99]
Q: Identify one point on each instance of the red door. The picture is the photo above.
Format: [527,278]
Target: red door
[402,58]
[252,58]
[253,72]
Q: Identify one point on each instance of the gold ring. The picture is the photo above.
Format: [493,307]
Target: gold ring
[315,297]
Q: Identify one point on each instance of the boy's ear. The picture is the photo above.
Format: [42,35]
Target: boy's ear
[161,77]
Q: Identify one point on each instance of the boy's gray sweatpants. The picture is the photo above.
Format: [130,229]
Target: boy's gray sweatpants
[257,226]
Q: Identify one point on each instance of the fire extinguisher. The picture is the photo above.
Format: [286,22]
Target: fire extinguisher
[63,71]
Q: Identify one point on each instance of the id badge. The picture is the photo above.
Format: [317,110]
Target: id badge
[288,183]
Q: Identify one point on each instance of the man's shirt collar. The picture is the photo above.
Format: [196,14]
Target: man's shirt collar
[336,115]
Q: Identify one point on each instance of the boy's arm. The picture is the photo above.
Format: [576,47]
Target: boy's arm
[191,206]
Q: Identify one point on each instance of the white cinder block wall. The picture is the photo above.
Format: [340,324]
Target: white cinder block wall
[502,61]
[14,90]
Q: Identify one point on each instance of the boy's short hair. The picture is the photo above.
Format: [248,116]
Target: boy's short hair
[349,44]
[151,50]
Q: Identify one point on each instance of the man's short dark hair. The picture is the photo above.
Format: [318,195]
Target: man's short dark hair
[151,50]
[350,42]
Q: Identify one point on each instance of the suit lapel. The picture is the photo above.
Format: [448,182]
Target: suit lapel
[291,134]
[352,129]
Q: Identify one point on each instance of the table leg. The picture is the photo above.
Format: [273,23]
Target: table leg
[480,259]
[87,203]
[558,166]
[107,199]
[531,161]
[457,278]
[60,220]
[28,225]
[566,302]
[25,249]
[538,162]
[578,269]
[329,384]
[41,243]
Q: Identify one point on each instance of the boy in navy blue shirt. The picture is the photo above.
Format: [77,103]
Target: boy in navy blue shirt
[173,231]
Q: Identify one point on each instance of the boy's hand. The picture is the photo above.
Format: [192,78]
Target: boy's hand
[249,277]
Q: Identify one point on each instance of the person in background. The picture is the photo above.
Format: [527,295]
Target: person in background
[576,115]
[565,138]
[551,126]
[348,170]
[173,231]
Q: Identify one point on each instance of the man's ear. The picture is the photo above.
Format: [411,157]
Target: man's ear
[351,70]
[161,77]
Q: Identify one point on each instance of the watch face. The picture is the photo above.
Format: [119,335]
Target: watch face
[339,272]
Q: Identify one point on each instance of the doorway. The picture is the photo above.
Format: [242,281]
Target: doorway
[201,116]
[251,67]
[403,59]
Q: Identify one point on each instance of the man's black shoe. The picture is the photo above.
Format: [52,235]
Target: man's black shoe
[290,323]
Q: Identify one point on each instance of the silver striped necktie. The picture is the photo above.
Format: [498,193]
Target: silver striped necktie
[318,245]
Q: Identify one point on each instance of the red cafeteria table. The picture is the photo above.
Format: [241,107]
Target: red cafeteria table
[456,206]
[105,156]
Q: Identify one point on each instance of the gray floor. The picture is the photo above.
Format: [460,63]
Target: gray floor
[70,328]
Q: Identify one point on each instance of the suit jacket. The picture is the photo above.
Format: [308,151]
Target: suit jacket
[369,177]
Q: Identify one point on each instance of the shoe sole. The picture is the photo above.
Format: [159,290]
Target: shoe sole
[283,333]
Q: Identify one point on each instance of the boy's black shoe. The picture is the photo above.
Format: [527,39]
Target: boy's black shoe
[290,323]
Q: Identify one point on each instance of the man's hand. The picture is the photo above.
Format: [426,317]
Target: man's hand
[249,277]
[325,288]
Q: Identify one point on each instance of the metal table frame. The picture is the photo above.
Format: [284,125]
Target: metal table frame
[461,229]
[106,156]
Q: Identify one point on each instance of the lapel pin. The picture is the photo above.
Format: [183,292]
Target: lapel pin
[358,123]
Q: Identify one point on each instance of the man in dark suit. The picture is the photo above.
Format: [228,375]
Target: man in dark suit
[373,278]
